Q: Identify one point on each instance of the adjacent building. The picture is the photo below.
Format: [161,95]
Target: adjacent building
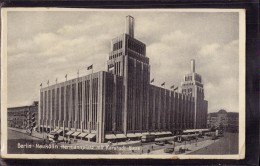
[23,117]
[119,103]
[223,119]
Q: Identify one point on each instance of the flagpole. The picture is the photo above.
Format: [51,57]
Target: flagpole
[63,123]
[48,105]
[43,122]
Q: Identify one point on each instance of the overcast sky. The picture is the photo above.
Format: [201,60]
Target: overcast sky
[44,46]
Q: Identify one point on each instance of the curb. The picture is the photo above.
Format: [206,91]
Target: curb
[24,133]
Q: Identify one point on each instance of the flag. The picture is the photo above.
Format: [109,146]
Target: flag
[78,72]
[163,84]
[175,88]
[152,80]
[48,82]
[41,84]
[172,86]
[90,67]
[111,67]
[66,76]
[56,80]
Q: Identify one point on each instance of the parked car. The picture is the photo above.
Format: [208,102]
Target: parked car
[221,135]
[167,142]
[169,150]
[200,136]
[193,138]
[53,137]
[186,138]
[159,143]
[214,137]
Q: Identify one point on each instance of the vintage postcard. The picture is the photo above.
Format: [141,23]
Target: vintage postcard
[123,83]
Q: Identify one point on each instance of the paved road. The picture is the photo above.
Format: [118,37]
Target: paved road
[226,145]
[14,135]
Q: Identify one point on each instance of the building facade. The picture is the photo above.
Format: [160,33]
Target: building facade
[192,85]
[119,103]
[23,117]
[223,119]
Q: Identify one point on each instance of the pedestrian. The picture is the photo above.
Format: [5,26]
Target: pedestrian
[152,146]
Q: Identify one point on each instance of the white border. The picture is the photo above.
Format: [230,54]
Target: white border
[242,43]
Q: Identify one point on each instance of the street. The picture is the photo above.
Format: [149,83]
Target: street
[226,145]
[22,143]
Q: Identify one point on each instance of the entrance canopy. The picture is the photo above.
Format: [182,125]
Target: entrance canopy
[76,133]
[69,133]
[138,134]
[131,135]
[91,135]
[59,131]
[120,136]
[82,135]
[110,136]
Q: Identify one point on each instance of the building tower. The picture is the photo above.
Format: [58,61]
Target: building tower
[127,58]
[192,85]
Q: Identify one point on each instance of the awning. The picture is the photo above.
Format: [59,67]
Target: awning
[91,135]
[76,133]
[159,133]
[55,130]
[120,136]
[110,136]
[59,131]
[69,133]
[145,133]
[138,134]
[82,135]
[164,132]
[168,132]
[153,132]
[131,135]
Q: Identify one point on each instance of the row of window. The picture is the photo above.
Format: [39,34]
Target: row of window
[72,110]
[115,55]
[138,57]
[113,115]
[172,111]
[198,78]
[187,90]
[117,46]
[188,78]
[188,84]
[136,47]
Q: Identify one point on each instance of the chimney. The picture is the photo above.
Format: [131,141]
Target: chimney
[129,25]
[192,66]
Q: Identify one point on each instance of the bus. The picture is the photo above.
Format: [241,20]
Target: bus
[148,138]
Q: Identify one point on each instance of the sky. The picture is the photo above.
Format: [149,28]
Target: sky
[45,45]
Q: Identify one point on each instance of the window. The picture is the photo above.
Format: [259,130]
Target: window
[117,46]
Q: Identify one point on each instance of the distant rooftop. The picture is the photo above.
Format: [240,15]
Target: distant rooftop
[222,111]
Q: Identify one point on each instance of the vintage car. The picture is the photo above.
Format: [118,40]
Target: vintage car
[167,142]
[53,137]
[159,143]
[169,150]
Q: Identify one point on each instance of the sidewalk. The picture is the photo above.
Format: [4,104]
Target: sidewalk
[34,133]
[191,147]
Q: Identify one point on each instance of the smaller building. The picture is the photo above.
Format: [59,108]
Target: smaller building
[23,117]
[223,119]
